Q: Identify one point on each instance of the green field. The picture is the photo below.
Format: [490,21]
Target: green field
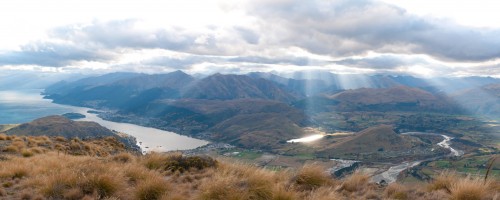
[474,165]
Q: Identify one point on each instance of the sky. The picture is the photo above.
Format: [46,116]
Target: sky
[422,38]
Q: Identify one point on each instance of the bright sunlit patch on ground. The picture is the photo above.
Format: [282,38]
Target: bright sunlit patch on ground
[307,139]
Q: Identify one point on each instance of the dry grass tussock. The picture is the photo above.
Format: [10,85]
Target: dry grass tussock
[51,174]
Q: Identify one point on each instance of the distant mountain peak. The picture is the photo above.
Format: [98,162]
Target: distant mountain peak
[225,87]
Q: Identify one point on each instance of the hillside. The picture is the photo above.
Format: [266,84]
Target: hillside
[119,90]
[62,87]
[484,100]
[174,80]
[401,98]
[46,174]
[380,143]
[374,139]
[240,121]
[27,146]
[60,126]
[303,87]
[226,87]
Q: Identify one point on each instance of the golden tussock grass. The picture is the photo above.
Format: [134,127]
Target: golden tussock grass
[355,182]
[154,161]
[11,149]
[153,188]
[60,139]
[26,153]
[443,181]
[116,174]
[470,189]
[312,176]
[396,191]
[124,157]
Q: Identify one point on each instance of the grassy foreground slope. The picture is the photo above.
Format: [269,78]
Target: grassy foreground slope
[53,174]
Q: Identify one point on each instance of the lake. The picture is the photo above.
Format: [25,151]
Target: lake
[26,105]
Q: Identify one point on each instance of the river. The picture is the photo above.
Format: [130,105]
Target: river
[392,173]
[24,106]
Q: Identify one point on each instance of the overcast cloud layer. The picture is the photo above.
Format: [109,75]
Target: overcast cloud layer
[351,36]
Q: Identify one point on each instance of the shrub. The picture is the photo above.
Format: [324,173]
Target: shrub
[222,187]
[19,173]
[7,184]
[151,189]
[26,153]
[103,184]
[312,177]
[57,185]
[281,193]
[19,143]
[178,162]
[135,173]
[11,148]
[123,157]
[37,150]
[260,184]
[154,161]
[469,189]
[396,191]
[60,139]
[323,193]
[443,182]
[26,196]
[356,182]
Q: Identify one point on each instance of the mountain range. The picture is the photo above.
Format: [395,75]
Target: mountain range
[265,107]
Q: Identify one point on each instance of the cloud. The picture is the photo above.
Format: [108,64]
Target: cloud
[180,63]
[348,32]
[248,35]
[125,34]
[299,61]
[52,54]
[355,27]
[489,70]
[381,62]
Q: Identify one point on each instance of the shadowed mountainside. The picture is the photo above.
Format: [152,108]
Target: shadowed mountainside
[483,100]
[227,87]
[400,98]
[246,122]
[60,126]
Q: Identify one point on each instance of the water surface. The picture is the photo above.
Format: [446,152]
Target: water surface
[24,106]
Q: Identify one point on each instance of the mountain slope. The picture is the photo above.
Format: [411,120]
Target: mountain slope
[380,144]
[233,121]
[126,91]
[399,98]
[173,80]
[227,87]
[61,126]
[304,87]
[373,139]
[482,100]
[66,86]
